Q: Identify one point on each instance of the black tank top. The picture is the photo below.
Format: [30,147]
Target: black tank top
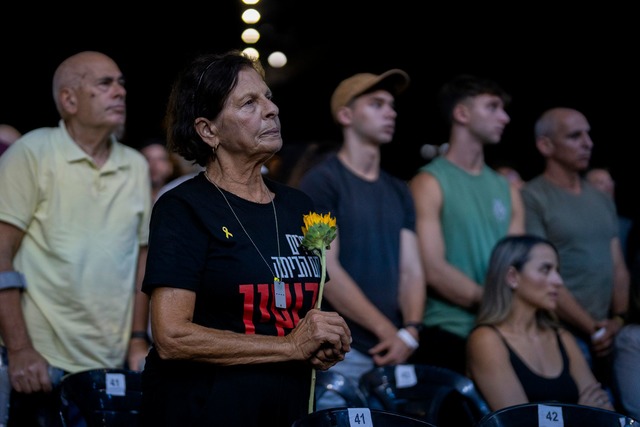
[540,389]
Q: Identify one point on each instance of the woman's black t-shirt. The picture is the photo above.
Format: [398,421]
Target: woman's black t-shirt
[197,243]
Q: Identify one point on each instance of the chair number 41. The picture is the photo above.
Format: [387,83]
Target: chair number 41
[360,417]
[116,384]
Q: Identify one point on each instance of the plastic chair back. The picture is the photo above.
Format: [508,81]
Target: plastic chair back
[556,415]
[334,382]
[430,393]
[104,397]
[350,417]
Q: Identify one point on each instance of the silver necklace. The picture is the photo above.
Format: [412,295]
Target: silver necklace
[277,283]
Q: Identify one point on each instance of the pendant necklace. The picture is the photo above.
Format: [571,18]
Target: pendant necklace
[277,283]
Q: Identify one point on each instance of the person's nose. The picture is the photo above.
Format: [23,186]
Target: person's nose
[504,117]
[271,108]
[120,89]
[556,279]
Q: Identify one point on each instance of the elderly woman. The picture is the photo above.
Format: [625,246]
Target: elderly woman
[231,294]
[517,353]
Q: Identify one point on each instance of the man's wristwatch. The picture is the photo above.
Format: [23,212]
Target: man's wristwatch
[418,326]
[140,335]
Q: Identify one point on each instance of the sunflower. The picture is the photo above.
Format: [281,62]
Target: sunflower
[319,231]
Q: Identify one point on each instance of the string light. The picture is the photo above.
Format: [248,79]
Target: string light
[250,16]
[251,36]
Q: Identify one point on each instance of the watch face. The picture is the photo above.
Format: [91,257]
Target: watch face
[419,326]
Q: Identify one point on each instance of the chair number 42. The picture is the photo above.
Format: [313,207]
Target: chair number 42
[550,416]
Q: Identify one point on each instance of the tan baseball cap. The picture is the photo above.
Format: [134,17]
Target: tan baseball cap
[395,81]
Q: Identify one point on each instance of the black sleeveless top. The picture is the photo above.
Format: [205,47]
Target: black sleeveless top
[540,389]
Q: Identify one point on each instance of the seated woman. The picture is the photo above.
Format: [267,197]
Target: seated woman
[518,353]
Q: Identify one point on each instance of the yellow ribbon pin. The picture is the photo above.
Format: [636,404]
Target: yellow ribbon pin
[227,233]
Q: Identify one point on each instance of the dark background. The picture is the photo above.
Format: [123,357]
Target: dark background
[542,55]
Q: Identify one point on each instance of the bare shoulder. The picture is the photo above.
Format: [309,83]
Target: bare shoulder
[485,350]
[423,177]
[484,337]
[567,338]
[483,332]
[424,185]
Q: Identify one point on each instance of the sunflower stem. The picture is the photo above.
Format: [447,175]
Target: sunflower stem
[323,262]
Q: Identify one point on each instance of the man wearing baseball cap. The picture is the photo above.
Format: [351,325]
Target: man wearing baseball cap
[394,81]
[376,278]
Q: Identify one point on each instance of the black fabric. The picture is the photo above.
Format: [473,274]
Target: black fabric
[442,348]
[35,409]
[540,389]
[196,243]
[370,216]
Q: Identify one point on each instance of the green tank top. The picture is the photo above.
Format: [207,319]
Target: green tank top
[476,213]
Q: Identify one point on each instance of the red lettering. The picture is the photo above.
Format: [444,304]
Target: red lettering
[285,319]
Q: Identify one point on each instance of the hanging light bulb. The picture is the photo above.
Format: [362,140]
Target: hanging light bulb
[250,36]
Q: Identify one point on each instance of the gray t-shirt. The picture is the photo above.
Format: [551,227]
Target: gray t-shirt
[581,226]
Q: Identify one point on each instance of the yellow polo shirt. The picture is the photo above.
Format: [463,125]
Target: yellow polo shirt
[84,227]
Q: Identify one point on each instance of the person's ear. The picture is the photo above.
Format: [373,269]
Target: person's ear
[207,131]
[344,115]
[544,145]
[68,100]
[512,277]
[460,113]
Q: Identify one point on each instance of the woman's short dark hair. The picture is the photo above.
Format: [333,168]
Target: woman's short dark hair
[201,90]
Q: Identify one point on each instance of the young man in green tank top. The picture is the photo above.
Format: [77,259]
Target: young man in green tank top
[463,207]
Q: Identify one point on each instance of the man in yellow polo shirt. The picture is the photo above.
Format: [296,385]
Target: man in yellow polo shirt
[74,211]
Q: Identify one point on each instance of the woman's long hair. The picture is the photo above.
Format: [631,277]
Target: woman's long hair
[510,251]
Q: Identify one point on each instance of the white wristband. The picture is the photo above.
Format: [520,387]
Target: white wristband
[408,339]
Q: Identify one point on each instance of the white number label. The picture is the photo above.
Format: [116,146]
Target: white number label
[360,417]
[116,384]
[550,416]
